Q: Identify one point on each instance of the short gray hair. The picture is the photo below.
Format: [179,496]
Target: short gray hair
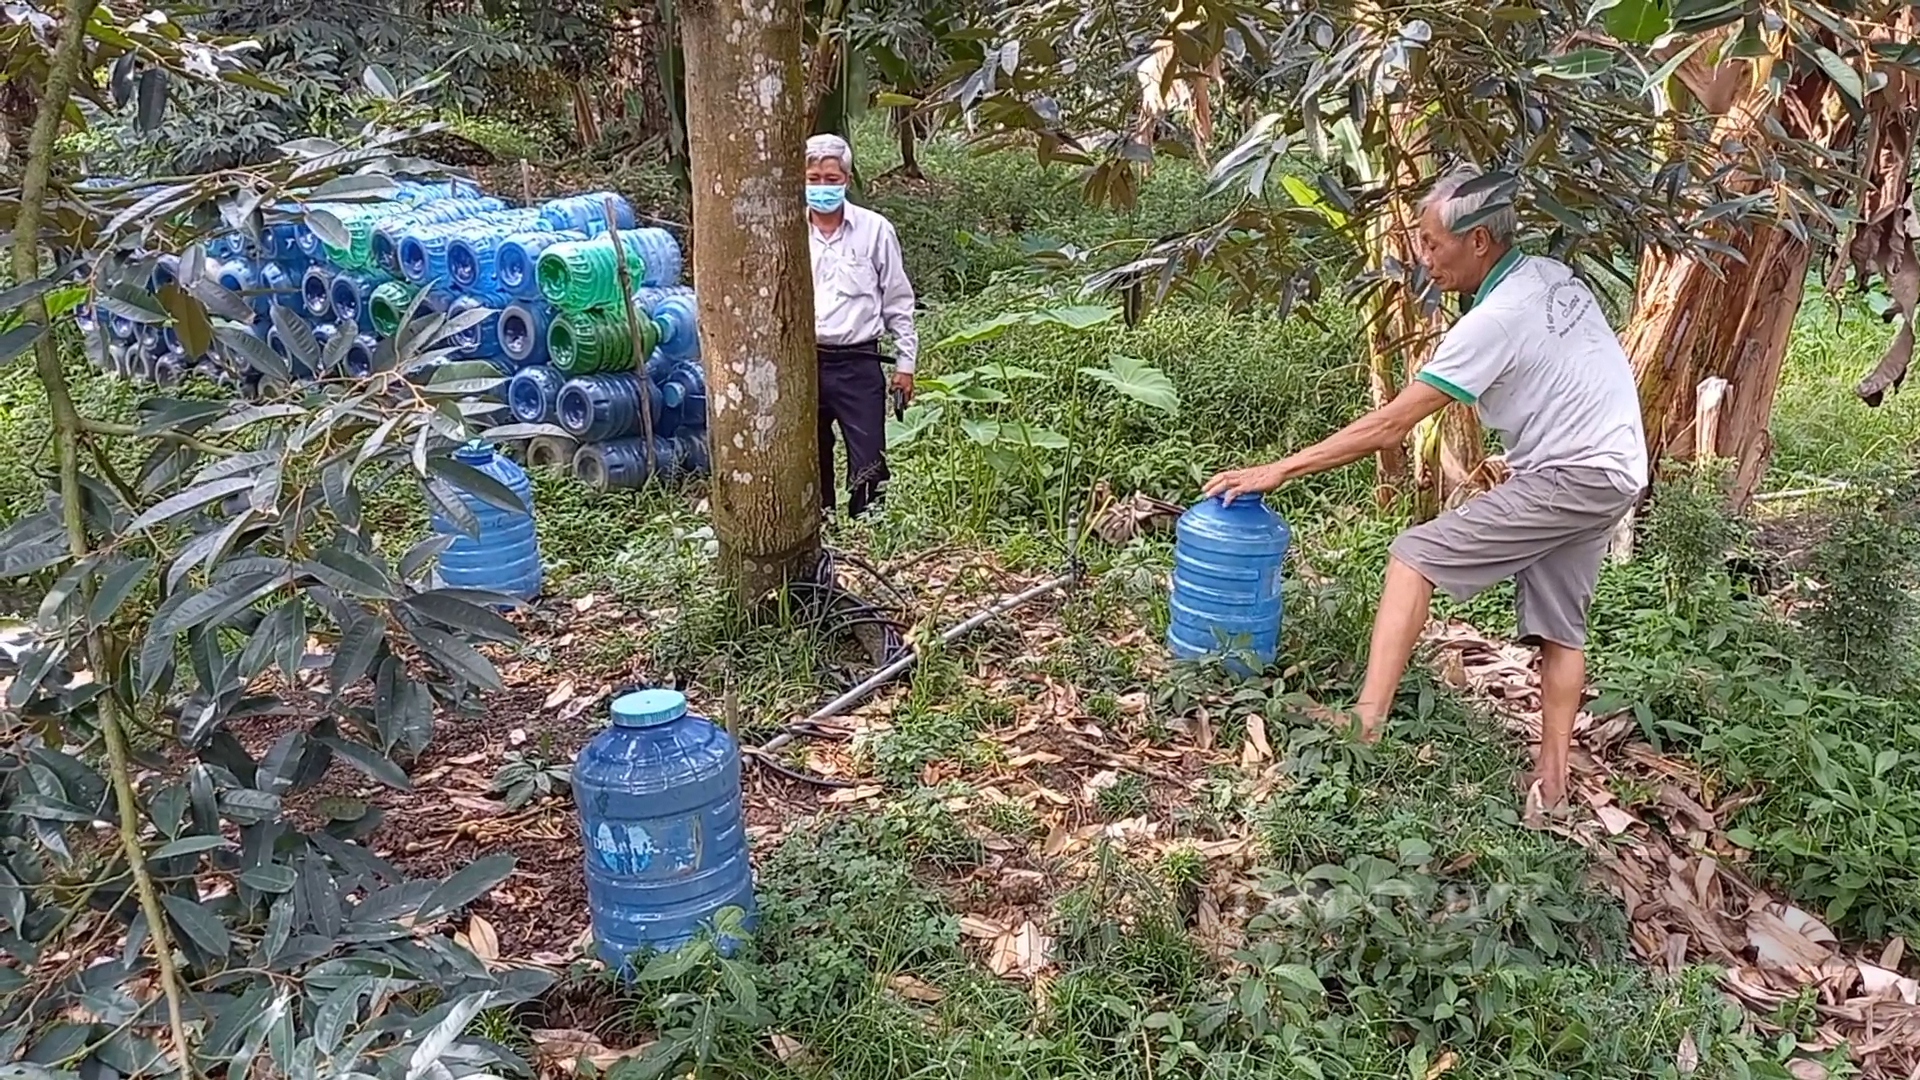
[830,148]
[1503,225]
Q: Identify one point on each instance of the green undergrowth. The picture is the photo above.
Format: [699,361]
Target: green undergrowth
[1815,716]
[976,216]
[1820,429]
[1409,924]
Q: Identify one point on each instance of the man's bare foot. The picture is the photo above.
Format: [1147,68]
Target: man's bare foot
[1551,793]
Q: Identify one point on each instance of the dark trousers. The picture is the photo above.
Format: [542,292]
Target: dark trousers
[853,393]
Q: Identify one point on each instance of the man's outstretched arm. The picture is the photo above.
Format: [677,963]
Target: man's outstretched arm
[1383,427]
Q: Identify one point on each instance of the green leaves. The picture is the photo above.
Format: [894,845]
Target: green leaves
[188,501]
[1843,74]
[328,228]
[471,882]
[377,766]
[15,341]
[1076,317]
[202,927]
[1641,22]
[1579,64]
[1138,380]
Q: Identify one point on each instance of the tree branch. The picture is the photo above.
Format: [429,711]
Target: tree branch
[63,72]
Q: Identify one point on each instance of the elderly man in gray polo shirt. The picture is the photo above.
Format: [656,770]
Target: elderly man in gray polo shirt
[1535,355]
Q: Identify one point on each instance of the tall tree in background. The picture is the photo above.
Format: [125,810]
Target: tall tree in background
[1815,118]
[745,109]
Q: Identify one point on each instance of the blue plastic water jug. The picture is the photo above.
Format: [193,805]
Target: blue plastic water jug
[660,814]
[683,395]
[1226,582]
[596,407]
[533,394]
[505,556]
[358,360]
[621,464]
[523,332]
[316,292]
[678,320]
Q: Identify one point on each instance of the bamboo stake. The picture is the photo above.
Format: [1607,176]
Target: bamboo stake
[633,332]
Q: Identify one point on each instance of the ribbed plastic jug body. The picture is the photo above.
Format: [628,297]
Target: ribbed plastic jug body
[593,408]
[423,253]
[1226,597]
[517,261]
[353,300]
[533,394]
[588,342]
[662,826]
[683,398]
[661,254]
[621,464]
[505,556]
[523,332]
[576,275]
[359,357]
[389,304]
[473,249]
[278,240]
[586,213]
[692,445]
[677,317]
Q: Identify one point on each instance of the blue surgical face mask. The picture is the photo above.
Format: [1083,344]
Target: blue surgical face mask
[826,198]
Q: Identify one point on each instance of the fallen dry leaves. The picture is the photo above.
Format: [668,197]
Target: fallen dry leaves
[559,1052]
[1671,866]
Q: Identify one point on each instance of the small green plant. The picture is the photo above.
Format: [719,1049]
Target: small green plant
[529,775]
[1860,621]
[1690,531]
[1015,820]
[1125,797]
[715,1010]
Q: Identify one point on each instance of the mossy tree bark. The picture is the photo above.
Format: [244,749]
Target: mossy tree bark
[745,103]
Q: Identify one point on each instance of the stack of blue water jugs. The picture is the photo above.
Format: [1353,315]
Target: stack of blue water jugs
[465,251]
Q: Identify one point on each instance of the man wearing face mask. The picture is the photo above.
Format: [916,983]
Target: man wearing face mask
[860,292]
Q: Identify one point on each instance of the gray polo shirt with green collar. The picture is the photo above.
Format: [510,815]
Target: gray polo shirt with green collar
[1536,356]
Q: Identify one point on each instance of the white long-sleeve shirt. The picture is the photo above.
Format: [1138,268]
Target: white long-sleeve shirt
[860,287]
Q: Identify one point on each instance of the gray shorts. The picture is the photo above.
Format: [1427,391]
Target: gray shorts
[1548,530]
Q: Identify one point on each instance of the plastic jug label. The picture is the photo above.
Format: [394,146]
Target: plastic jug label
[658,848]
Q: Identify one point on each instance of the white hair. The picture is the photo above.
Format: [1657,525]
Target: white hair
[830,148]
[1502,225]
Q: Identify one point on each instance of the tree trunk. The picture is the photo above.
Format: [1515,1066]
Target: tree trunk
[1695,319]
[638,45]
[907,128]
[1401,338]
[755,286]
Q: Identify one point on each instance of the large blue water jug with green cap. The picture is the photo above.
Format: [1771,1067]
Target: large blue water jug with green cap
[661,819]
[1226,582]
[504,556]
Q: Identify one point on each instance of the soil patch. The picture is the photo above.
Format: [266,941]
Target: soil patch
[450,817]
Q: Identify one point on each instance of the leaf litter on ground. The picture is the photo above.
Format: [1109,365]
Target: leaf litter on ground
[1677,875]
